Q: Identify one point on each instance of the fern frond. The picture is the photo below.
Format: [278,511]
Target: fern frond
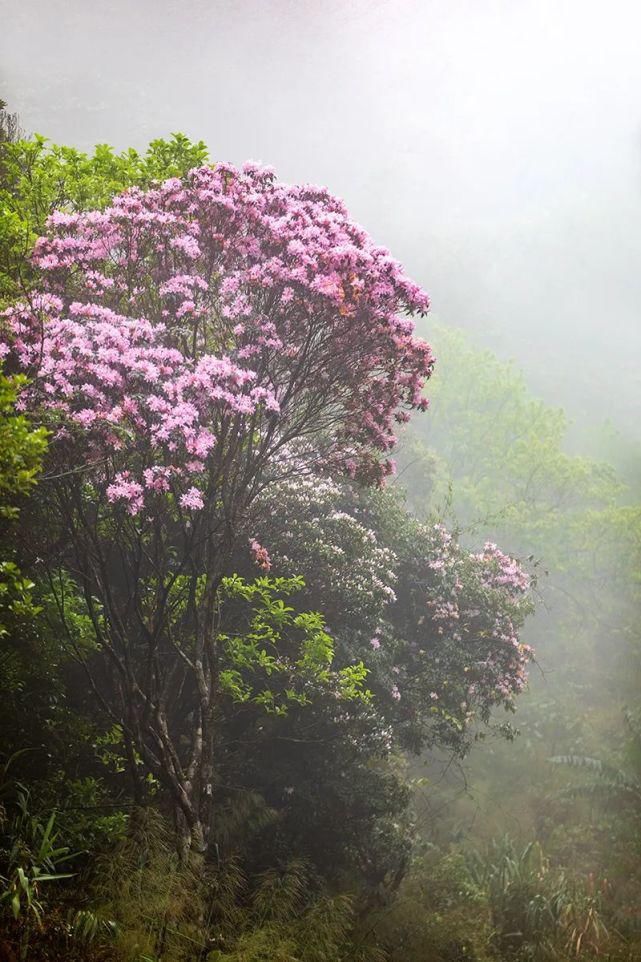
[597,767]
[633,723]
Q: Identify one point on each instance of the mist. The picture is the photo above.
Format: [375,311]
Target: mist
[495,147]
[266,691]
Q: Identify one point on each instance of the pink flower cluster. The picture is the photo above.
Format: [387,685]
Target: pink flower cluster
[501,571]
[260,555]
[224,298]
[121,384]
[479,601]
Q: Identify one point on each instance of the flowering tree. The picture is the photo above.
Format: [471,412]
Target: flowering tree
[436,625]
[187,346]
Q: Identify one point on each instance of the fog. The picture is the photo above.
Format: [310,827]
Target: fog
[186,730]
[493,145]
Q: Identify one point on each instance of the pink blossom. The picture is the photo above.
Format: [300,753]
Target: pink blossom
[260,555]
[123,489]
[192,499]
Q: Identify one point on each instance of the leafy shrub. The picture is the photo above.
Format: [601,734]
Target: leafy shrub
[439,914]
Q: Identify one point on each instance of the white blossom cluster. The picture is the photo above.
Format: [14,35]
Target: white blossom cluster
[310,532]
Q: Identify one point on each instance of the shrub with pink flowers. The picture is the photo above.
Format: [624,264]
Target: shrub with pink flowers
[455,641]
[437,625]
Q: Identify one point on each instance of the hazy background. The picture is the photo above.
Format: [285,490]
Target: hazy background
[493,145]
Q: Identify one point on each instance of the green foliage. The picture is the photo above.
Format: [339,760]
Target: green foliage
[538,913]
[37,177]
[500,461]
[21,451]
[289,919]
[31,856]
[21,447]
[32,861]
[50,738]
[613,784]
[312,838]
[609,784]
[505,453]
[279,644]
[147,905]
[439,914]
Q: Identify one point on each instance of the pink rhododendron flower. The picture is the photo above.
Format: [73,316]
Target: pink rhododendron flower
[192,499]
[260,555]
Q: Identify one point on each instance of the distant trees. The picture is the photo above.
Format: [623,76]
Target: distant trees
[501,461]
[9,125]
